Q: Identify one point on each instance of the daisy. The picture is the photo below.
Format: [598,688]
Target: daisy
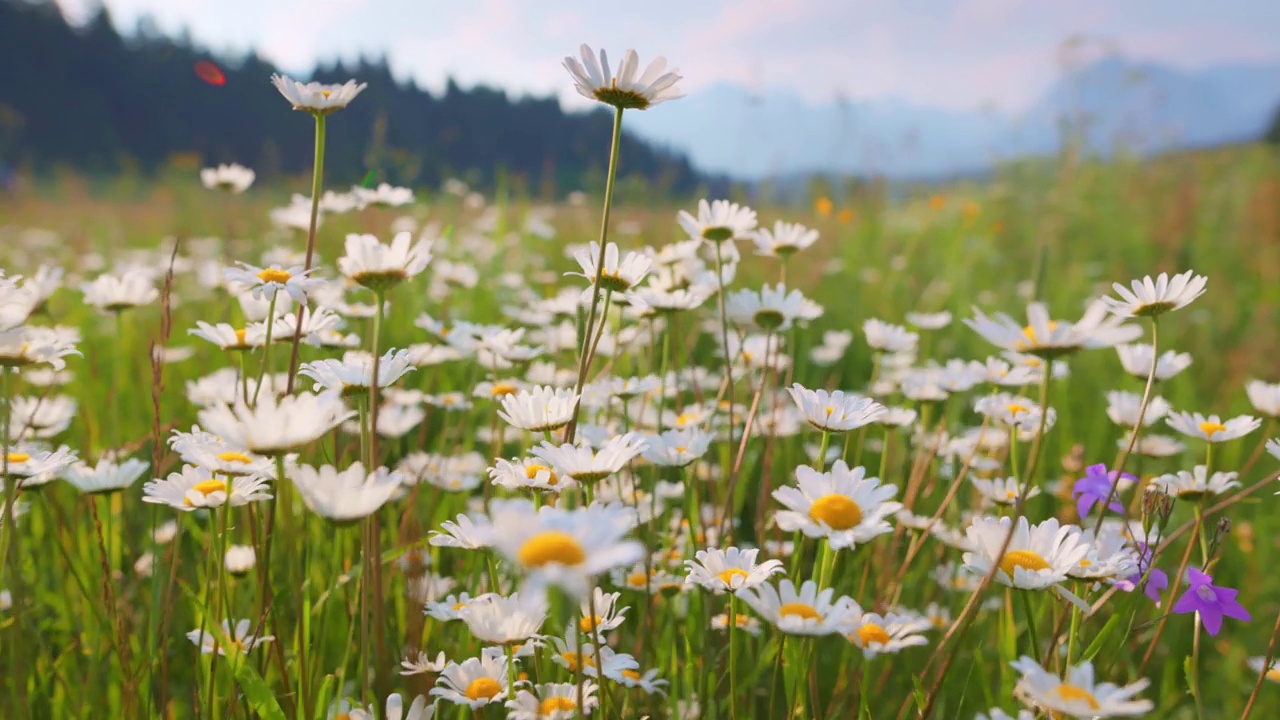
[233,178]
[379,267]
[1047,338]
[1154,445]
[649,681]
[1265,397]
[192,488]
[105,477]
[1136,359]
[275,427]
[33,467]
[729,570]
[585,465]
[475,682]
[538,409]
[1037,557]
[422,664]
[628,89]
[314,97]
[615,276]
[784,240]
[239,640]
[800,612]
[1123,407]
[876,634]
[354,372]
[608,614]
[384,195]
[419,710]
[719,221]
[1212,428]
[553,701]
[929,321]
[1109,556]
[532,473]
[1015,412]
[886,337]
[229,337]
[1259,665]
[1149,298]
[266,282]
[772,309]
[1002,491]
[216,456]
[115,293]
[572,656]
[677,448]
[835,411]
[554,546]
[998,714]
[240,559]
[448,608]
[1078,695]
[742,621]
[343,496]
[1194,485]
[44,417]
[466,533]
[843,505]
[505,619]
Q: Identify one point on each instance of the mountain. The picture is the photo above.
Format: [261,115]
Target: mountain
[1112,103]
[93,98]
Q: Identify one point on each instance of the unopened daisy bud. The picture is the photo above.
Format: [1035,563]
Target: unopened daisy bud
[240,559]
[1220,533]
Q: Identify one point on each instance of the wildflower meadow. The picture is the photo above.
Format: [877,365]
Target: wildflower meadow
[1001,448]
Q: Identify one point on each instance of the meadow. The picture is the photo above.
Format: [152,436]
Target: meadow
[514,474]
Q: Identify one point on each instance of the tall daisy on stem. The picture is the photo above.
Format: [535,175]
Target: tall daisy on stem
[320,101]
[626,90]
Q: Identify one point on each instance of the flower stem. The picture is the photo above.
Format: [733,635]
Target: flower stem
[317,185]
[1031,623]
[266,347]
[1118,466]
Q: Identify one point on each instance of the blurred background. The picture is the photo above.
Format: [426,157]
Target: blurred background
[777,93]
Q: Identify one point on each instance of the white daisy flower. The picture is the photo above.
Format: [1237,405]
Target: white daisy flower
[835,411]
[929,321]
[1149,298]
[1257,664]
[573,657]
[1123,407]
[423,663]
[718,221]
[233,178]
[649,681]
[743,622]
[842,505]
[379,267]
[800,612]
[629,89]
[1136,359]
[553,701]
[1078,695]
[1194,485]
[528,473]
[887,337]
[1016,412]
[193,488]
[419,710]
[354,372]
[617,275]
[216,456]
[114,293]
[1110,554]
[1047,338]
[608,616]
[384,195]
[1154,445]
[567,548]
[586,465]
[43,416]
[239,640]
[1265,397]
[998,714]
[347,495]
[105,477]
[677,448]
[783,240]
[33,467]
[475,682]
[505,619]
[772,309]
[447,608]
[1002,491]
[467,533]
[1212,428]
[1273,447]
[729,570]
[229,337]
[317,98]
[240,559]
[1038,556]
[538,409]
[275,427]
[265,282]
[876,634]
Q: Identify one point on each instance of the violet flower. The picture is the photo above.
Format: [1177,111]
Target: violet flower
[1157,579]
[1212,602]
[1095,487]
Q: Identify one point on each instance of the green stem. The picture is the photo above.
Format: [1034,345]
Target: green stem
[1118,466]
[266,347]
[733,665]
[317,186]
[1031,623]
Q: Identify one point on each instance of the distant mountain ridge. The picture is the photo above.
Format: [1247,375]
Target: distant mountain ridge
[1114,102]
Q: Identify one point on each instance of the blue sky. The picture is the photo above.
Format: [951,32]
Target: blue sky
[960,54]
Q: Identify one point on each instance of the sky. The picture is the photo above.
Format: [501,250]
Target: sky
[958,54]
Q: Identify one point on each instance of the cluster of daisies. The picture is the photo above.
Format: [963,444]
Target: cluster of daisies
[586,516]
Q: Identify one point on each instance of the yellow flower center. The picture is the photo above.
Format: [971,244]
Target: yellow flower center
[1212,428]
[18,457]
[275,275]
[531,472]
[325,93]
[838,512]
[741,619]
[458,606]
[799,609]
[552,546]
[206,488]
[1273,674]
[1075,693]
[557,704]
[631,674]
[1010,494]
[1024,559]
[571,660]
[240,336]
[232,456]
[502,389]
[638,579]
[1085,563]
[589,624]
[1029,333]
[685,418]
[483,688]
[727,576]
[1015,408]
[872,633]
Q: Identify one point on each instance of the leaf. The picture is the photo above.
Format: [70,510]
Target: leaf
[369,179]
[1189,669]
[1096,646]
[256,691]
